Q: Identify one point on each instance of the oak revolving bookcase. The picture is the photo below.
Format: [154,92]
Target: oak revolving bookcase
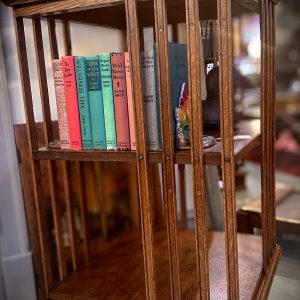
[188,263]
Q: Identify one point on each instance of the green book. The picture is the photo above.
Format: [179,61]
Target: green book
[108,101]
[96,101]
[83,103]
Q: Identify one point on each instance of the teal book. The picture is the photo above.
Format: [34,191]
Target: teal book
[108,101]
[83,103]
[96,101]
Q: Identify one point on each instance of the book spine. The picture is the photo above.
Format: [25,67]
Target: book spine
[96,101]
[108,101]
[130,102]
[149,96]
[63,126]
[83,102]
[157,97]
[72,102]
[120,100]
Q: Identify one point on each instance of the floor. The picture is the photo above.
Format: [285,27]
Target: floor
[286,285]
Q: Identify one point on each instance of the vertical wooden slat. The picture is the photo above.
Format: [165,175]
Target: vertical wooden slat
[168,171]
[141,152]
[39,48]
[97,170]
[45,270]
[228,165]
[67,35]
[52,39]
[175,33]
[267,129]
[195,66]
[183,211]
[82,208]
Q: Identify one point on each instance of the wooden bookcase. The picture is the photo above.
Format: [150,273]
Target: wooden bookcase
[171,263]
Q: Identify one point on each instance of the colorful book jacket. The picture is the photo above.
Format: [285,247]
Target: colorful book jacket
[83,102]
[72,102]
[149,96]
[108,101]
[130,102]
[96,101]
[63,126]
[120,100]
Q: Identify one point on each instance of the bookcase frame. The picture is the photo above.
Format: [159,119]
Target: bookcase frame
[225,154]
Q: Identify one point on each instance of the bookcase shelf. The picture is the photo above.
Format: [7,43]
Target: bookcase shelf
[137,266]
[98,278]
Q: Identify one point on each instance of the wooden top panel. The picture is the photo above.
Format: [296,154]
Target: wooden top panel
[117,272]
[65,9]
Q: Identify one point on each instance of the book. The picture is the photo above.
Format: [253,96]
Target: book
[108,101]
[120,100]
[130,102]
[96,101]
[71,102]
[150,100]
[83,102]
[63,126]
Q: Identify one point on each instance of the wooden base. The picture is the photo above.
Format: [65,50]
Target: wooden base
[118,273]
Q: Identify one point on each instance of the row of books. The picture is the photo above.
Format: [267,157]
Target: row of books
[95,102]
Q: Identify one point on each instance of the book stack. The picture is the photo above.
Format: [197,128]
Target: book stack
[95,100]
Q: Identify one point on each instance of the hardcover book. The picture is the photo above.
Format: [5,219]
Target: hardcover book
[150,100]
[63,126]
[130,102]
[96,101]
[120,100]
[71,102]
[83,102]
[108,101]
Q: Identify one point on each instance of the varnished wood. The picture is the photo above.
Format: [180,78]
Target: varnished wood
[228,168]
[267,131]
[183,211]
[168,171]
[98,280]
[141,153]
[45,278]
[195,68]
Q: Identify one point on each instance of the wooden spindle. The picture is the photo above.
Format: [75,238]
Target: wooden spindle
[195,68]
[183,211]
[48,132]
[45,271]
[228,163]
[168,171]
[141,152]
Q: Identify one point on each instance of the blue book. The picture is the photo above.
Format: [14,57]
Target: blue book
[178,74]
[83,103]
[96,101]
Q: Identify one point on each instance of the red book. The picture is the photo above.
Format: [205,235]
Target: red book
[130,101]
[120,100]
[72,102]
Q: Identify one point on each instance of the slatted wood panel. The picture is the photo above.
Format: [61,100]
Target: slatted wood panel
[168,171]
[268,129]
[141,153]
[228,168]
[195,68]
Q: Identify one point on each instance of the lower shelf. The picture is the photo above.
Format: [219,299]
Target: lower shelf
[118,272]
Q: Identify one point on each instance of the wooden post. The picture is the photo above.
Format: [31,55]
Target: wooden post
[193,37]
[168,171]
[141,152]
[228,163]
[48,132]
[44,270]
[267,130]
